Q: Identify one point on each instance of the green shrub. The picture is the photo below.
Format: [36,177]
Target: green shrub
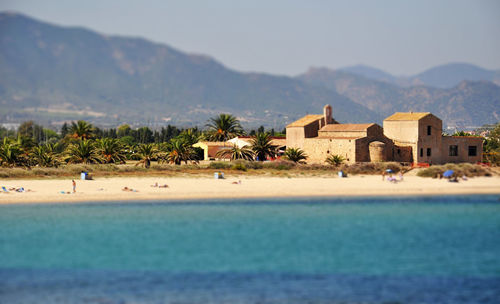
[239,166]
[219,165]
[462,169]
[279,165]
[254,165]
[334,160]
[371,168]
[433,172]
[314,167]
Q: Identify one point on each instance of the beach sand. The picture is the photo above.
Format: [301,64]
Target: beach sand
[206,187]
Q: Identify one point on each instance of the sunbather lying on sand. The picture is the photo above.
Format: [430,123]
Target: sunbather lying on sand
[19,189]
[159,186]
[129,189]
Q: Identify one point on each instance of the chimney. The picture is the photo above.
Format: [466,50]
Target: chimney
[327,114]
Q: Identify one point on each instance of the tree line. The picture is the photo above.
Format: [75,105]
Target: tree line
[81,142]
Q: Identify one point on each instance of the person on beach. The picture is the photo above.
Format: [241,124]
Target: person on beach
[74,186]
[129,189]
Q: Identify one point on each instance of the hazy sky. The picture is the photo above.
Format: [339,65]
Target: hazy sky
[287,37]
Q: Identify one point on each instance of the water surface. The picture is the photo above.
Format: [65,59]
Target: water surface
[354,250]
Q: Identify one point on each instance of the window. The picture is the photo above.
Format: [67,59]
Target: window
[421,152]
[428,151]
[399,151]
[453,150]
[429,130]
[472,151]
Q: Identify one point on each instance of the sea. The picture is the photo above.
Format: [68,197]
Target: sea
[442,249]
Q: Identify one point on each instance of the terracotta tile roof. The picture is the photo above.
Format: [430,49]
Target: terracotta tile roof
[346,127]
[304,121]
[407,116]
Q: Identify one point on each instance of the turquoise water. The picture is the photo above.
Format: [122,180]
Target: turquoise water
[366,250]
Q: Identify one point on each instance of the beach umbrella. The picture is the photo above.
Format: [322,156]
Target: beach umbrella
[448,173]
[389,171]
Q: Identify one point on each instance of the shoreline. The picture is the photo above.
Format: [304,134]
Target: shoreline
[109,189]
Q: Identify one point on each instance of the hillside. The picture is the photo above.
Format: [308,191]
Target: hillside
[51,74]
[443,76]
[450,75]
[471,103]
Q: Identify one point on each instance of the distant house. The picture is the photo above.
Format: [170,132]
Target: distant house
[210,148]
[405,137]
[241,141]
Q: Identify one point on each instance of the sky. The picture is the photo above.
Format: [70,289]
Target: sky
[286,37]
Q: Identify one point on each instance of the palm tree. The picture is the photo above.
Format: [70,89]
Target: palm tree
[236,152]
[146,152]
[224,127]
[335,160]
[262,147]
[296,155]
[45,156]
[81,129]
[180,151]
[83,151]
[11,154]
[111,150]
[190,136]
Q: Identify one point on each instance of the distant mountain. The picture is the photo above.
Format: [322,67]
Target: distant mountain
[470,103]
[370,72]
[52,74]
[449,75]
[443,76]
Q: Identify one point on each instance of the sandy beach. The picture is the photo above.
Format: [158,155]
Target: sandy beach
[205,187]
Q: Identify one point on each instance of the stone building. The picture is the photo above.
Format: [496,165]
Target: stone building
[406,137]
[422,132]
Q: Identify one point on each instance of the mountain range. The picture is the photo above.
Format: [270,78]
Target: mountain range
[443,76]
[52,74]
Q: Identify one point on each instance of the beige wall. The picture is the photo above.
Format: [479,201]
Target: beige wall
[432,141]
[462,144]
[403,132]
[318,149]
[342,133]
[363,148]
[413,134]
[295,137]
[372,131]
